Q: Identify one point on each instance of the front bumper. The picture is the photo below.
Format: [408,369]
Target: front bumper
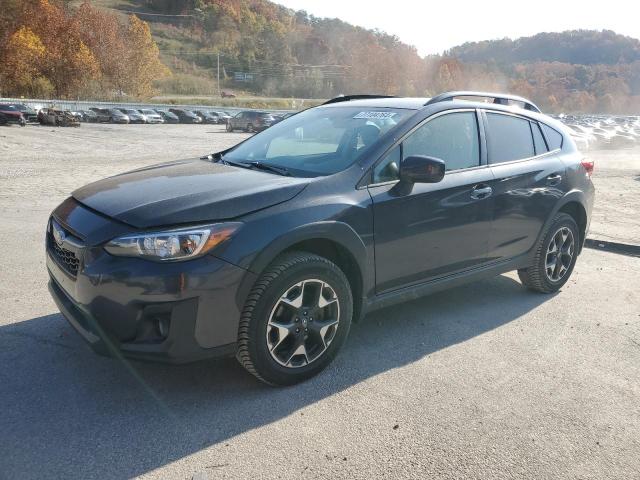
[127,307]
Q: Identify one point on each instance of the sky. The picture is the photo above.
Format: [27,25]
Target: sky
[433,27]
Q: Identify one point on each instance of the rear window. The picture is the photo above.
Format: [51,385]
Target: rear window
[538,139]
[554,138]
[508,138]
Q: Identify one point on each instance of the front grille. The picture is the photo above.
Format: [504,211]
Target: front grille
[65,258]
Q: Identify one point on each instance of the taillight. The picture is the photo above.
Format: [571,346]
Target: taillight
[588,166]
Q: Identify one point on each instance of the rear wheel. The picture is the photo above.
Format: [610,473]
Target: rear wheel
[295,320]
[249,128]
[555,256]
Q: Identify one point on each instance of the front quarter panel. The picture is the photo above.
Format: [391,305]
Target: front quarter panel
[345,219]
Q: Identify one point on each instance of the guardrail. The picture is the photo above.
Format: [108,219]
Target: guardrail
[76,105]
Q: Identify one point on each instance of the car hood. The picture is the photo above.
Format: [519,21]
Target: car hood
[188,191]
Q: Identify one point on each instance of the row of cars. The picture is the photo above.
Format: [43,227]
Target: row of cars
[149,115]
[247,120]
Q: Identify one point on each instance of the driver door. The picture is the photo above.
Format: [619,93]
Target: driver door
[428,231]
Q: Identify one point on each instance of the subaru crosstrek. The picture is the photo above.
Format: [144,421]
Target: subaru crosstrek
[270,249]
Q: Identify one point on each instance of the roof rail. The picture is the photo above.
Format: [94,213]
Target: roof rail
[346,98]
[498,98]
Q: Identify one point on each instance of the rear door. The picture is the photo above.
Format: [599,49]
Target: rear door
[528,182]
[425,231]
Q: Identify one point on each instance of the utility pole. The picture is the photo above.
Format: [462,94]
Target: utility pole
[218,73]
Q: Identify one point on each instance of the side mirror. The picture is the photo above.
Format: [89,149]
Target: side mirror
[421,169]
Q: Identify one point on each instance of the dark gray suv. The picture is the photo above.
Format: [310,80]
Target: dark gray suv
[270,249]
[250,121]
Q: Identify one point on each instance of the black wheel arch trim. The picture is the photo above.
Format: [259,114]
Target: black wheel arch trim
[573,196]
[339,233]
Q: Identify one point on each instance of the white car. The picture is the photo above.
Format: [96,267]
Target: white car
[152,116]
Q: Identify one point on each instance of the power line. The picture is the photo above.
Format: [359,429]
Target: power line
[154,14]
[215,52]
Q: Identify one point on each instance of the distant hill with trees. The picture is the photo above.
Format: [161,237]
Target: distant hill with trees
[269,50]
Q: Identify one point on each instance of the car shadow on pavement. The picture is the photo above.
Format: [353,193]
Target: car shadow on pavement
[68,413]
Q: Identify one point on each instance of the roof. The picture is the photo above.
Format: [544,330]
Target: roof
[393,102]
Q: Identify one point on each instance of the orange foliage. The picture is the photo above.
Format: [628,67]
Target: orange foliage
[76,54]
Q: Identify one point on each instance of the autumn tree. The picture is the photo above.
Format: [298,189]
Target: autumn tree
[142,59]
[24,53]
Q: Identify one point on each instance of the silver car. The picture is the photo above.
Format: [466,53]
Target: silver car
[152,116]
[134,115]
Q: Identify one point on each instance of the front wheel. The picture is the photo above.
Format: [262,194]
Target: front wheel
[229,127]
[555,256]
[295,320]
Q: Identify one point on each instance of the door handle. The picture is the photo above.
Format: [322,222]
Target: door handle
[481,191]
[554,179]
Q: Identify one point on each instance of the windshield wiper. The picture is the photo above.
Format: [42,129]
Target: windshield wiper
[235,164]
[268,167]
[251,165]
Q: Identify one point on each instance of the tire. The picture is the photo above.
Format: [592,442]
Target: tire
[544,279]
[229,127]
[275,357]
[249,128]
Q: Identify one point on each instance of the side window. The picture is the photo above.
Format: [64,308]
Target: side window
[388,169]
[508,138]
[554,139]
[452,137]
[538,139]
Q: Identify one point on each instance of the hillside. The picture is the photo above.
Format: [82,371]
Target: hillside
[261,48]
[584,47]
[289,53]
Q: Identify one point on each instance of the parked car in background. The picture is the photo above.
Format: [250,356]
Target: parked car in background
[185,116]
[110,115]
[168,117]
[77,115]
[89,116]
[57,118]
[223,116]
[134,115]
[207,117]
[12,115]
[250,121]
[152,116]
[29,114]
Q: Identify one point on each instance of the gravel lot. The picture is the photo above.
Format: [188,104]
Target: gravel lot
[483,381]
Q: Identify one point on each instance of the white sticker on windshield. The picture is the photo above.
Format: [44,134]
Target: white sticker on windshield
[379,115]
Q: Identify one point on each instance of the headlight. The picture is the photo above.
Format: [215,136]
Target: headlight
[172,245]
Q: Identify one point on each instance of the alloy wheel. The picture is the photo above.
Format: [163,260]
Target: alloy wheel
[559,254]
[303,323]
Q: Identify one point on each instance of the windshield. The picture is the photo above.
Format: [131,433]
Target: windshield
[149,112]
[8,107]
[319,141]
